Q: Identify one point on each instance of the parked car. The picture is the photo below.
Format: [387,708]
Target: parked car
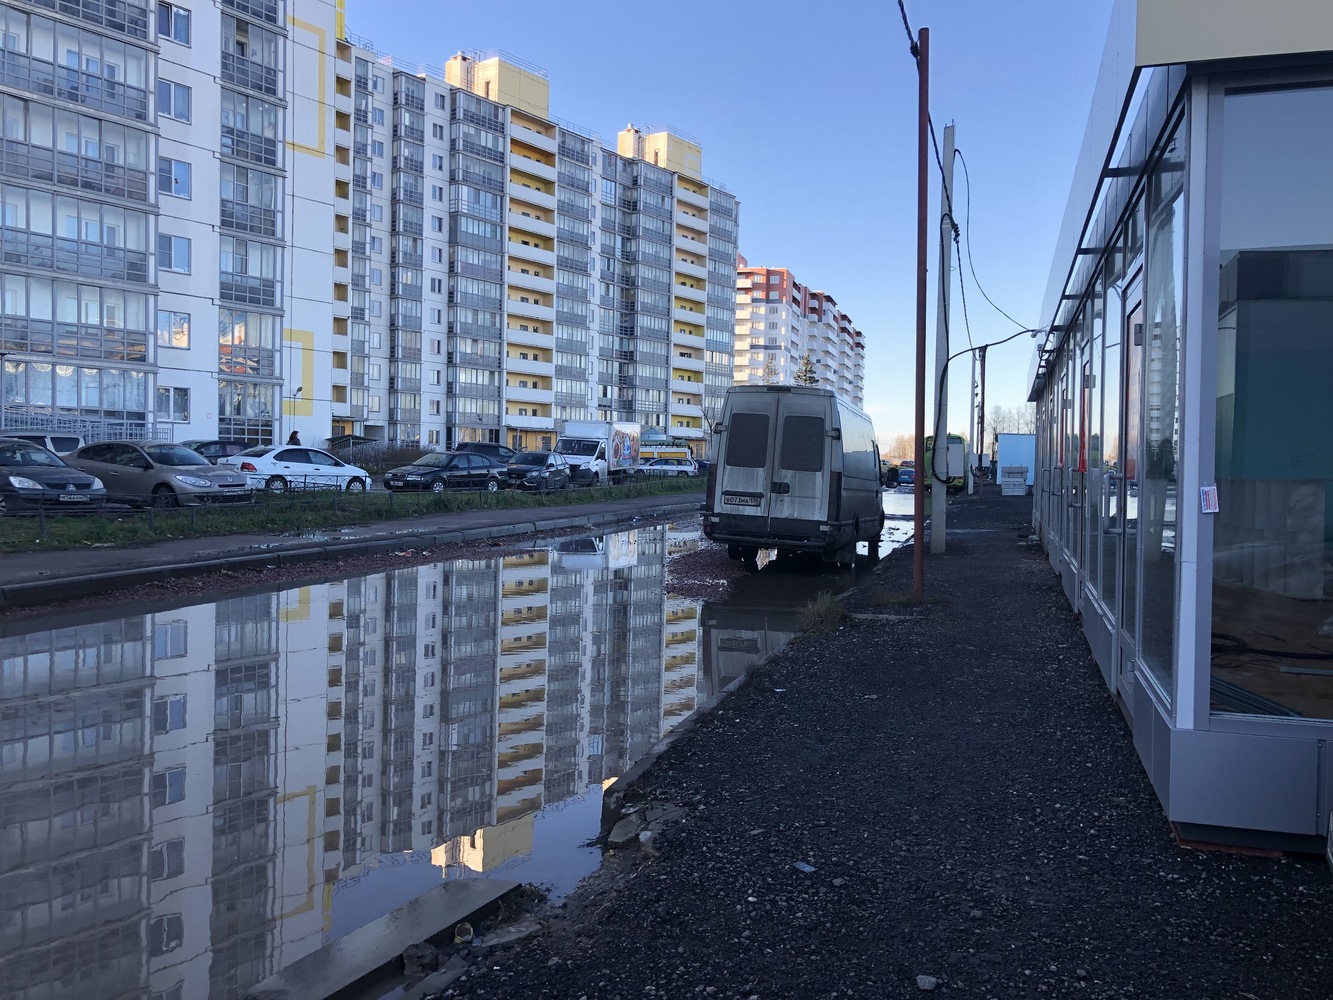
[539,470]
[60,444]
[160,473]
[214,450]
[31,478]
[500,452]
[279,468]
[670,467]
[438,471]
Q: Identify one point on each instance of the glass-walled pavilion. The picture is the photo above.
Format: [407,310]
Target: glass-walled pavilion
[1184,394]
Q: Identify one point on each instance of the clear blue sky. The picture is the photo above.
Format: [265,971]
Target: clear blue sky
[807,112]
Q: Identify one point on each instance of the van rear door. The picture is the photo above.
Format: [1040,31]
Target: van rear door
[801,473]
[745,474]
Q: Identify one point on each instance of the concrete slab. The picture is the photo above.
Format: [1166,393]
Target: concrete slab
[380,943]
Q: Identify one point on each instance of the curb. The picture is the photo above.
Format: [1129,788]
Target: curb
[297,552]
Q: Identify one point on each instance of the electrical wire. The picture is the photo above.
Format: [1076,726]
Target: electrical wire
[911,36]
[967,225]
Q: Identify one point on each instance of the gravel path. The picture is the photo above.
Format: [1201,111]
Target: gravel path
[973,811]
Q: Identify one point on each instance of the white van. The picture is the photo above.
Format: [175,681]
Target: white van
[797,470]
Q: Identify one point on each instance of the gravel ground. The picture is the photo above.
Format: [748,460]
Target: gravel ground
[972,808]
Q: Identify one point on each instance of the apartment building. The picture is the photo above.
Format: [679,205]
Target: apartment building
[780,322]
[503,272]
[162,273]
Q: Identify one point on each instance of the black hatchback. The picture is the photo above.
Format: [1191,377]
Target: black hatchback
[438,471]
[32,478]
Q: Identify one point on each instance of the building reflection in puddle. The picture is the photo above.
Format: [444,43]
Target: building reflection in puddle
[193,799]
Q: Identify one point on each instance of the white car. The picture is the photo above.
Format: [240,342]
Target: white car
[670,467]
[278,468]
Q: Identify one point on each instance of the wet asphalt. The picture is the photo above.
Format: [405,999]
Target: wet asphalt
[972,810]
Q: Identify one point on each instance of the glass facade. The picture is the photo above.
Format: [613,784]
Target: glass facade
[1272,584]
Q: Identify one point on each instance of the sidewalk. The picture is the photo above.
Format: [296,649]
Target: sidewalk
[971,809]
[41,577]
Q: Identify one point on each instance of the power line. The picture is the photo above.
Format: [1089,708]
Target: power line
[911,35]
[967,225]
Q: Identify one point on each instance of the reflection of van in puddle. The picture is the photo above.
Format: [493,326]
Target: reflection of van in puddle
[798,471]
[614,551]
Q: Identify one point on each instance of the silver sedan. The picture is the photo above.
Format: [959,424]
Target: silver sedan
[161,474]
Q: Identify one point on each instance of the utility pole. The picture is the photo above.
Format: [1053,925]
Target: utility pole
[981,418]
[973,448]
[922,198]
[939,491]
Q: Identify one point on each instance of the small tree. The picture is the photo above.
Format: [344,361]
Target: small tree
[771,374]
[806,374]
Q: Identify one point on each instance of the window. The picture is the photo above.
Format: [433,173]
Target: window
[427,826]
[173,177]
[427,768]
[436,224]
[437,255]
[747,440]
[169,640]
[435,378]
[428,711]
[427,740]
[436,285]
[376,276]
[377,116]
[802,444]
[377,180]
[437,316]
[173,100]
[165,934]
[168,786]
[173,23]
[167,860]
[437,131]
[173,405]
[168,714]
[432,437]
[377,148]
[173,253]
[436,192]
[173,329]
[434,405]
[436,160]
[377,244]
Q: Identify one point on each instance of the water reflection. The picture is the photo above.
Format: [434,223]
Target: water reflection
[193,799]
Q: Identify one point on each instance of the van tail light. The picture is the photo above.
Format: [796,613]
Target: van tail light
[835,497]
[248,467]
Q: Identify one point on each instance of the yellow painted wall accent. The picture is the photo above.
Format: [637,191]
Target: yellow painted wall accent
[309,903]
[673,153]
[301,612]
[322,47]
[340,19]
[513,85]
[303,405]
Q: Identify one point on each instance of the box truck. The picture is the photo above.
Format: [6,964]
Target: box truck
[599,452]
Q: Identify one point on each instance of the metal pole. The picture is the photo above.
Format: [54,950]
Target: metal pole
[922,197]
[3,355]
[973,448]
[981,418]
[939,492]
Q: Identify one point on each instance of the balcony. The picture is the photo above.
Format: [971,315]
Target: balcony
[342,241]
[691,270]
[532,338]
[517,394]
[531,310]
[533,138]
[682,339]
[519,192]
[528,423]
[688,242]
[535,282]
[341,310]
[342,103]
[342,275]
[687,388]
[687,197]
[692,317]
[530,224]
[527,252]
[692,222]
[529,165]
[686,410]
[686,292]
[690,364]
[527,366]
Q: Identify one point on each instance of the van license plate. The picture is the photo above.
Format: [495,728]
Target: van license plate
[741,500]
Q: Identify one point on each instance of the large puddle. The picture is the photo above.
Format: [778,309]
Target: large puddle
[193,799]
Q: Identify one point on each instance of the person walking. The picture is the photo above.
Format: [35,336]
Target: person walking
[295,438]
